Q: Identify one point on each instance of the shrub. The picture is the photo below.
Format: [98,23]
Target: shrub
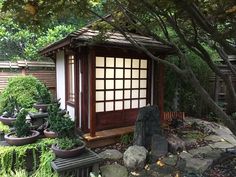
[22,128]
[23,89]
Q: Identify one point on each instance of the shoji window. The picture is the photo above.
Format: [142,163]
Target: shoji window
[121,83]
[71,79]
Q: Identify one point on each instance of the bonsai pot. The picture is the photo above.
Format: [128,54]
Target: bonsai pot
[22,140]
[49,134]
[7,120]
[42,106]
[68,153]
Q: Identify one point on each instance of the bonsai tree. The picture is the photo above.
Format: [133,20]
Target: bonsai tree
[43,95]
[22,135]
[11,107]
[21,126]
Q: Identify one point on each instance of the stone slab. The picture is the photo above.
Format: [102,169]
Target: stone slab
[114,170]
[221,145]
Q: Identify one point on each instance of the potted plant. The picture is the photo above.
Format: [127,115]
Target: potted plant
[23,134]
[68,144]
[53,117]
[10,111]
[44,98]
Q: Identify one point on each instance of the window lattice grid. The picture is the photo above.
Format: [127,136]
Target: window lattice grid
[121,83]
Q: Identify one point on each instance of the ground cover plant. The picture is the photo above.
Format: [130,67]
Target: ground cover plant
[14,157]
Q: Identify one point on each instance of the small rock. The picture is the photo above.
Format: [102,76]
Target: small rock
[197,165]
[114,170]
[111,154]
[175,144]
[135,157]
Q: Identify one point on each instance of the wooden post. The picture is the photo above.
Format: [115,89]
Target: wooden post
[92,95]
[161,90]
[23,71]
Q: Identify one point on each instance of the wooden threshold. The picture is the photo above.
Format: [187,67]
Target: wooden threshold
[111,133]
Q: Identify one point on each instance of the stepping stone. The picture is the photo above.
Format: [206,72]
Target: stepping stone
[114,170]
[221,145]
[111,154]
[198,165]
[213,138]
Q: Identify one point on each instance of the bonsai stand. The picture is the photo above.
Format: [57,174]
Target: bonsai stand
[79,166]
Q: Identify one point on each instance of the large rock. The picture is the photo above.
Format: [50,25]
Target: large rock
[159,147]
[146,125]
[135,157]
[111,154]
[175,144]
[114,170]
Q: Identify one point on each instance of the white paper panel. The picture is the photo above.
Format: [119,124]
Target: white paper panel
[128,63]
[100,61]
[143,83]
[143,93]
[119,84]
[127,73]
[109,73]
[142,103]
[127,104]
[109,95]
[134,103]
[99,95]
[144,64]
[109,106]
[119,73]
[127,84]
[118,105]
[135,83]
[109,84]
[119,94]
[99,107]
[127,94]
[135,73]
[134,93]
[119,62]
[135,63]
[143,74]
[99,84]
[110,62]
[99,73]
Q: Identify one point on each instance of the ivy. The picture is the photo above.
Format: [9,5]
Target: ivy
[13,157]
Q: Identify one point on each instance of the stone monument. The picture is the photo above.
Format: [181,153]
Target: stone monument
[147,125]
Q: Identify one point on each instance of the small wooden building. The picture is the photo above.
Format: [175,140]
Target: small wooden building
[104,83]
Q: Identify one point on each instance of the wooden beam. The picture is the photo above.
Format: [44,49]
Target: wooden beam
[161,90]
[92,94]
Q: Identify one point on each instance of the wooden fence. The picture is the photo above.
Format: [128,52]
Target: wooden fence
[44,71]
[168,116]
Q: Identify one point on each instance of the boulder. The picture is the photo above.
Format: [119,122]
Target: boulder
[114,170]
[175,144]
[135,157]
[159,147]
[146,125]
[111,154]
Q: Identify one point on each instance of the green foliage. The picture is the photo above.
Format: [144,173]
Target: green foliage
[8,163]
[11,107]
[189,100]
[23,89]
[21,126]
[66,143]
[63,125]
[4,128]
[127,138]
[43,95]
